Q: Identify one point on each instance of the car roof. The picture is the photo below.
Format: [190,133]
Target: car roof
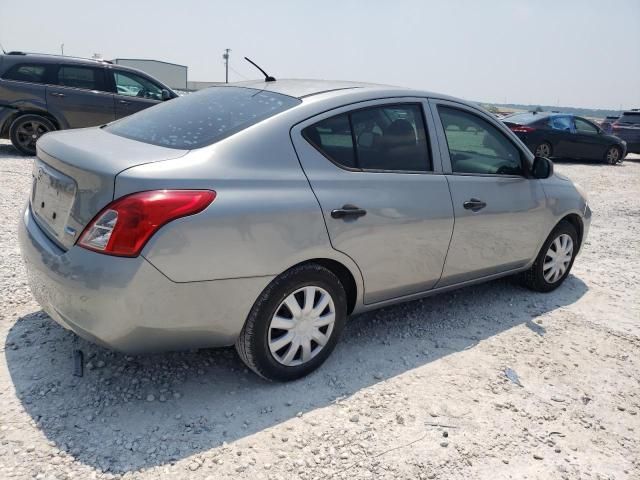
[303,88]
[45,58]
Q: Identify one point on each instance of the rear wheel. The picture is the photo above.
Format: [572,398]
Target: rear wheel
[543,150]
[555,259]
[295,323]
[26,130]
[613,155]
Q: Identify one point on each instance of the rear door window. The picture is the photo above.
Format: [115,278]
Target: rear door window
[202,118]
[476,146]
[27,72]
[86,78]
[384,138]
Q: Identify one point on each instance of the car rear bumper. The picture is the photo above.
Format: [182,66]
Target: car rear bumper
[128,305]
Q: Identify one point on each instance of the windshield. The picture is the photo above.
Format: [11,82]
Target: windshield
[630,117]
[202,118]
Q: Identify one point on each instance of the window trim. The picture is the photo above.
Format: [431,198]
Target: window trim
[525,154]
[421,106]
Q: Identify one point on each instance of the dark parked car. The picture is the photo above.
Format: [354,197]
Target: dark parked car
[563,135]
[627,127]
[40,93]
[607,122]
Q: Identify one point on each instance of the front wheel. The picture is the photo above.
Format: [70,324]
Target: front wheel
[613,155]
[555,259]
[295,323]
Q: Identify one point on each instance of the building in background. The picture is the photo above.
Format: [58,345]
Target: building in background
[171,74]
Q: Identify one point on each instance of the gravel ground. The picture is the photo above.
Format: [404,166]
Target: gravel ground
[420,390]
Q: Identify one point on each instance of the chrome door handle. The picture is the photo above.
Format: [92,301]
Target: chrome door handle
[57,94]
[474,205]
[348,211]
[124,102]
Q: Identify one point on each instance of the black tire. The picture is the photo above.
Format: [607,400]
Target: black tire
[534,277]
[613,155]
[253,343]
[543,146]
[23,129]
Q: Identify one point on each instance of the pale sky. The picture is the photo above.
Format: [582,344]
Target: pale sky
[581,53]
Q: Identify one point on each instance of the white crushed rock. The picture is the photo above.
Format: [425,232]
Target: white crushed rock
[413,391]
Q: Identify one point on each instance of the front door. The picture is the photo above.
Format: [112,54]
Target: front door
[588,142]
[385,201]
[498,209]
[80,97]
[133,92]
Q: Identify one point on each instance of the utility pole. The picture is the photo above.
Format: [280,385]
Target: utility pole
[62,49]
[225,55]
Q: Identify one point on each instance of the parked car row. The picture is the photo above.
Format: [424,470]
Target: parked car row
[562,135]
[627,127]
[263,214]
[41,93]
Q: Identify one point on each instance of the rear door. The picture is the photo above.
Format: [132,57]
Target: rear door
[385,201]
[500,214]
[80,96]
[588,141]
[133,92]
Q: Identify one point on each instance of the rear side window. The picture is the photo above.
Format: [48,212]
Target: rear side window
[561,123]
[202,118]
[26,72]
[476,146]
[385,138]
[87,78]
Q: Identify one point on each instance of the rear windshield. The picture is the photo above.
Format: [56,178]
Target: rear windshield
[522,118]
[630,117]
[202,118]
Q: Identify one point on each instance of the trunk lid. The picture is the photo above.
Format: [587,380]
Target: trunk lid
[74,176]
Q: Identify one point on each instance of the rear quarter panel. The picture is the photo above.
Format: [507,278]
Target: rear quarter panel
[265,217]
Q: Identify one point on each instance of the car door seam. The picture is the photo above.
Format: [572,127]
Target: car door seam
[324,220]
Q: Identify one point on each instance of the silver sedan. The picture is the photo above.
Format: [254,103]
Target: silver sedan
[263,214]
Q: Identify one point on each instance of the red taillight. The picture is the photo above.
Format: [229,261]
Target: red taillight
[124,226]
[615,126]
[521,128]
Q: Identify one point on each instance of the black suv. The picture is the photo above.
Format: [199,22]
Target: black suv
[40,93]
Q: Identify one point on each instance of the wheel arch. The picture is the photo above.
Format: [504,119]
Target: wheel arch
[40,113]
[345,276]
[575,220]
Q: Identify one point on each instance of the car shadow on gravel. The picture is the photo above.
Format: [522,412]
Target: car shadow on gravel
[133,412]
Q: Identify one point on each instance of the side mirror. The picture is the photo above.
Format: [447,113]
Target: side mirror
[542,167]
[165,94]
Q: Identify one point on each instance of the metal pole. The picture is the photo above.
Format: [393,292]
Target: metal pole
[62,48]
[225,55]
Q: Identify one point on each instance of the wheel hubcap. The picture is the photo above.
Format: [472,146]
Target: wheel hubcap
[612,155]
[557,259]
[543,150]
[301,326]
[29,132]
